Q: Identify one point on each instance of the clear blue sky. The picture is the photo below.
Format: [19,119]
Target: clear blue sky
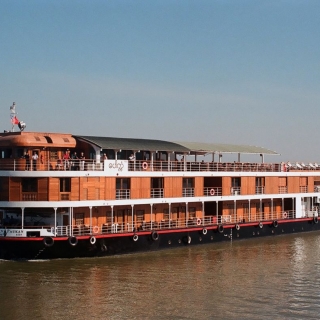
[239,72]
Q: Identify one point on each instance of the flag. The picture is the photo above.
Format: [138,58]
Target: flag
[14,120]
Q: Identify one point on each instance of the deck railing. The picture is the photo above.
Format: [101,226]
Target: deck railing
[147,165]
[111,228]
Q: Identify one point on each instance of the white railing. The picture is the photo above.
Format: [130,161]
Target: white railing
[122,194]
[259,190]
[128,227]
[283,189]
[235,191]
[156,193]
[212,191]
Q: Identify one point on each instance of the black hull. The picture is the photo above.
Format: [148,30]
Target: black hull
[113,244]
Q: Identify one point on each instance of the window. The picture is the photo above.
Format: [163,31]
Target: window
[79,219]
[140,215]
[166,214]
[65,184]
[157,183]
[29,185]
[236,182]
[123,183]
[188,182]
[259,181]
[109,217]
[53,155]
[192,212]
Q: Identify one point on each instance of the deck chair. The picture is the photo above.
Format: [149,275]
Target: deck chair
[312,166]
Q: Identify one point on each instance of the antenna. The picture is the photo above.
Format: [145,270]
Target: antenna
[15,120]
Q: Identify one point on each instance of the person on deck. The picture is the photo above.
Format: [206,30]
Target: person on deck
[66,159]
[82,161]
[27,157]
[34,160]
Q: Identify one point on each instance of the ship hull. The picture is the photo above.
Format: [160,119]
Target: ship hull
[42,248]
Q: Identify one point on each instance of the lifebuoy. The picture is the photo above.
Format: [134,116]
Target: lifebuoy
[220,228]
[204,231]
[260,225]
[48,241]
[275,223]
[73,241]
[95,229]
[198,222]
[135,237]
[237,227]
[155,235]
[93,240]
[144,165]
[212,192]
[189,239]
[315,219]
[285,215]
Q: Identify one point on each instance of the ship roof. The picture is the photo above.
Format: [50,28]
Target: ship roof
[178,147]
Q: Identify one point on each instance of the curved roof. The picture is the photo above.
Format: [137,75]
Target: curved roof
[134,144]
[178,147]
[197,147]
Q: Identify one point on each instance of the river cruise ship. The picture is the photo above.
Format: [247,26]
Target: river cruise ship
[66,196]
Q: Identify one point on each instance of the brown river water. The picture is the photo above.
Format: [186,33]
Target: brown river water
[266,278]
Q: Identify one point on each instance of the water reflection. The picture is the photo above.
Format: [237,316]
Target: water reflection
[268,278]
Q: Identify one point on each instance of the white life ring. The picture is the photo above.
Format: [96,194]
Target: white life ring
[212,192]
[198,222]
[237,227]
[135,237]
[95,229]
[285,215]
[204,231]
[144,165]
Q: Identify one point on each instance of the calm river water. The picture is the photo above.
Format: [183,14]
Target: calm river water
[270,278]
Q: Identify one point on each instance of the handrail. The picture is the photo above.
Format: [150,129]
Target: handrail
[147,165]
[128,227]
